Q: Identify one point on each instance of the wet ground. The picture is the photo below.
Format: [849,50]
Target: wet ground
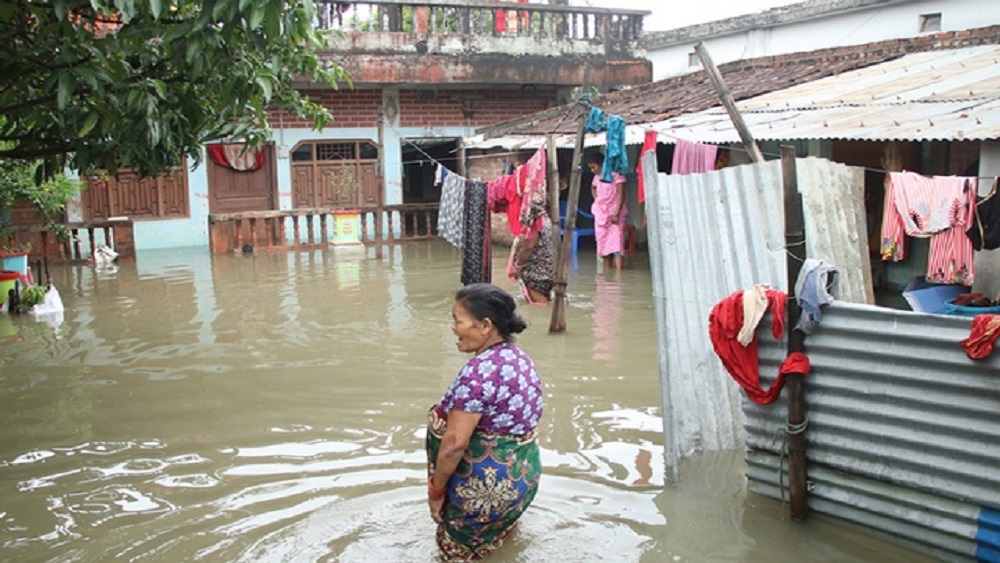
[272,408]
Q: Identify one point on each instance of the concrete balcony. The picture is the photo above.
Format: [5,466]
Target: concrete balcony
[383,42]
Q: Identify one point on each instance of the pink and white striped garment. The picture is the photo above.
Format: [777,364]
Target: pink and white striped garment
[939,207]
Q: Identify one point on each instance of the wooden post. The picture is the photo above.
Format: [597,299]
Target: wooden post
[380,200]
[553,187]
[795,247]
[558,322]
[727,101]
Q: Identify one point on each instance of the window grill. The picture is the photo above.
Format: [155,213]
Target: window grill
[335,151]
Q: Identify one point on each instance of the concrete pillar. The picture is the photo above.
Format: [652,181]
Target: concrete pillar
[392,153]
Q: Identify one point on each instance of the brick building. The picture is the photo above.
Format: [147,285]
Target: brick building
[436,71]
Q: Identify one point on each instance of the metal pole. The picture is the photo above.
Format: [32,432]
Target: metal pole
[381,195]
[727,101]
[795,246]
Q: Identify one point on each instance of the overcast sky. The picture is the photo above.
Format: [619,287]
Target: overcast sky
[670,14]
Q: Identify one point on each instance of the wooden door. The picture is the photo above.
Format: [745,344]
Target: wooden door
[233,189]
[337,174]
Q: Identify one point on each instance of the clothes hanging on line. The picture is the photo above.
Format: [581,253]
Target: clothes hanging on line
[940,207]
[926,205]
[648,144]
[985,230]
[496,193]
[451,213]
[476,254]
[440,173]
[532,186]
[527,178]
[615,156]
[693,158]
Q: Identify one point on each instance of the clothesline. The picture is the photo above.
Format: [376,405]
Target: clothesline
[585,102]
[735,148]
[865,168]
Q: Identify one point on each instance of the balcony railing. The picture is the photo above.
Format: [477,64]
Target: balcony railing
[498,19]
[80,246]
[300,229]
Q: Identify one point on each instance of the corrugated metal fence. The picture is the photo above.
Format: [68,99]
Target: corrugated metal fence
[904,429]
[712,234]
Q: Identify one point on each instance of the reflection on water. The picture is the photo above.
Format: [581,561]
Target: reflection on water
[271,408]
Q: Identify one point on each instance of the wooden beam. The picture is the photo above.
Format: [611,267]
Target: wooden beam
[727,101]
[795,249]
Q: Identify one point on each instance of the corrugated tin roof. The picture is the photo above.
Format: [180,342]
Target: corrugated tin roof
[693,92]
[968,79]
[942,95]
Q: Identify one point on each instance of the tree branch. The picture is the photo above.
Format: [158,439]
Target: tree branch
[33,154]
[7,110]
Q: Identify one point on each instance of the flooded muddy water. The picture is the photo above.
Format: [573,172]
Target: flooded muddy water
[271,407]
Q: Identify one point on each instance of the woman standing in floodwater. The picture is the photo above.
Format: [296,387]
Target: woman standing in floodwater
[609,212]
[483,458]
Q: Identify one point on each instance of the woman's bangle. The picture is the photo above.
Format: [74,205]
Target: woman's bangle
[433,492]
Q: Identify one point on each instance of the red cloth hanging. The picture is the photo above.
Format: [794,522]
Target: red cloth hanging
[742,363]
[649,144]
[985,330]
[223,155]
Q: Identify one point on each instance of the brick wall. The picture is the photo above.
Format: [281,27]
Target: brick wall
[350,108]
[424,108]
[486,106]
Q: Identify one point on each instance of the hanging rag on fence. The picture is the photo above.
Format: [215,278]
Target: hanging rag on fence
[811,290]
[615,157]
[983,336]
[940,207]
[693,158]
[724,325]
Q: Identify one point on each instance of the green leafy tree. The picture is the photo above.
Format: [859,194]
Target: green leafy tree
[106,84]
[18,184]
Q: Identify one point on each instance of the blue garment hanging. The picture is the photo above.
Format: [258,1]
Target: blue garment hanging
[615,157]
